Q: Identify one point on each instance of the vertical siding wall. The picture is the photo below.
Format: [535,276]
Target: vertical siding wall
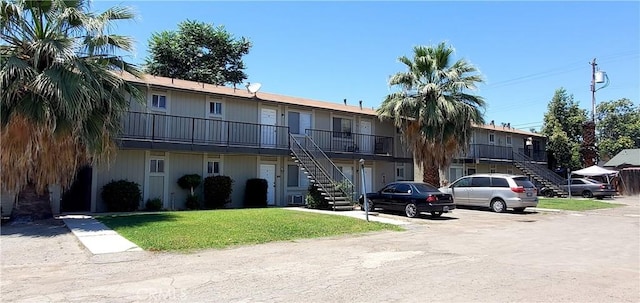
[240,168]
[183,164]
[128,165]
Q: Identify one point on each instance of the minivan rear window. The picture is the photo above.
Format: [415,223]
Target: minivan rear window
[524,182]
[499,182]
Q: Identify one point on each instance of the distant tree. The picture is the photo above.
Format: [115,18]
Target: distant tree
[198,51]
[618,127]
[434,109]
[563,129]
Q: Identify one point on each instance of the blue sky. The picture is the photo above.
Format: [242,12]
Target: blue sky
[334,50]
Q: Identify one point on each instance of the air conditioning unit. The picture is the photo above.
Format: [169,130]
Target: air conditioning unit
[296,199]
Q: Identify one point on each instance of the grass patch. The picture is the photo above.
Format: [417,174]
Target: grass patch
[222,228]
[574,204]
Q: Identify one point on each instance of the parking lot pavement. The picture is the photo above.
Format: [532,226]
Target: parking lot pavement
[465,256]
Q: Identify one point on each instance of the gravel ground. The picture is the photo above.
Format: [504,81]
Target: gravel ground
[466,256]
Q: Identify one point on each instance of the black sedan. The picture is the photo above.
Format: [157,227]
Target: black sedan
[412,198]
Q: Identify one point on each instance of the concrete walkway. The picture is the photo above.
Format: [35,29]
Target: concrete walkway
[97,237]
[373,216]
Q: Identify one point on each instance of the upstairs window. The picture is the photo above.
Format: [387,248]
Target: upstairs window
[159,102]
[156,166]
[508,140]
[492,138]
[215,109]
[342,128]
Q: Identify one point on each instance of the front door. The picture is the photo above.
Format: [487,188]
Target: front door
[366,140]
[268,172]
[268,131]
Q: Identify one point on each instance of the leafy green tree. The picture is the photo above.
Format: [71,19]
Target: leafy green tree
[434,109]
[61,99]
[198,51]
[618,126]
[563,128]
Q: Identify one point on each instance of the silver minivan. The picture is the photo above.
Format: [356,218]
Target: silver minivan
[496,191]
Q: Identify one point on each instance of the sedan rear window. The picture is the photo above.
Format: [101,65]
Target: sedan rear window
[524,182]
[424,188]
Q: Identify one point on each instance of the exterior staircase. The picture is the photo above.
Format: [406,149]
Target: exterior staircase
[541,174]
[336,188]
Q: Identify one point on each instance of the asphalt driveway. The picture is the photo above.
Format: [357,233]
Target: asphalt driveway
[470,255]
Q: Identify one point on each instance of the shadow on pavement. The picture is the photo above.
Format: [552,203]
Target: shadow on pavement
[40,228]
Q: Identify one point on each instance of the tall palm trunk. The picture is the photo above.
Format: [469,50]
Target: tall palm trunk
[431,174]
[31,204]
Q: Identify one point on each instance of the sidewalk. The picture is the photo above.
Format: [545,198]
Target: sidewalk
[97,237]
[373,216]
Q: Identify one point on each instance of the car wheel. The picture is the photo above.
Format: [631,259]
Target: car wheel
[549,193]
[518,209]
[411,210]
[587,194]
[371,207]
[436,214]
[497,205]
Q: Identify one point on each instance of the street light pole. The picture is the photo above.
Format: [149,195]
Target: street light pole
[593,89]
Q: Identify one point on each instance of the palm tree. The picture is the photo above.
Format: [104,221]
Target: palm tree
[61,94]
[434,110]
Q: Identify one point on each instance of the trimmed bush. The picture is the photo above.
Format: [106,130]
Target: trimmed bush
[315,199]
[192,202]
[255,193]
[217,191]
[190,182]
[154,204]
[121,195]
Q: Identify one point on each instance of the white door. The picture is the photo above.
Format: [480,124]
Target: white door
[268,172]
[268,133]
[368,176]
[366,141]
[305,122]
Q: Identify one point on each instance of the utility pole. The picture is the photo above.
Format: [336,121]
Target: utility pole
[593,89]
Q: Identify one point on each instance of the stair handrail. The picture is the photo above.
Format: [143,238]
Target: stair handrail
[317,168]
[547,174]
[318,151]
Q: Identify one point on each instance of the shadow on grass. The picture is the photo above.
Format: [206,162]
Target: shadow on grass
[39,228]
[134,220]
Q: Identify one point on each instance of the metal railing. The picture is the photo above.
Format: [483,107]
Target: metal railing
[537,169]
[348,142]
[341,182]
[535,155]
[321,177]
[498,152]
[168,128]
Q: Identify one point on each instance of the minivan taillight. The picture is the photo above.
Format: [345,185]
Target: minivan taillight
[432,198]
[517,189]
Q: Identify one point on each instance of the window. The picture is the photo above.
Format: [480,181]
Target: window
[471,171]
[403,189]
[480,182]
[342,128]
[575,182]
[159,102]
[400,172]
[156,166]
[389,189]
[213,167]
[215,108]
[492,138]
[464,182]
[295,178]
[499,182]
[508,140]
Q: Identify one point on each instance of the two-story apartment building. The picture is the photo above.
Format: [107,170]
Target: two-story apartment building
[188,127]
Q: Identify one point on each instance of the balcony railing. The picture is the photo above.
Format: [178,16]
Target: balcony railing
[347,142]
[496,152]
[177,129]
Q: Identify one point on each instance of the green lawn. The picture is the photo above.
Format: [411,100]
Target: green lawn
[574,204]
[188,230]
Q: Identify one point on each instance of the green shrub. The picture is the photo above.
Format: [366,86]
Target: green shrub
[154,204]
[315,199]
[192,202]
[121,195]
[217,191]
[255,193]
[190,182]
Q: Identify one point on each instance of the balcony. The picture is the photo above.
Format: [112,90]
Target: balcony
[146,130]
[502,153]
[352,143]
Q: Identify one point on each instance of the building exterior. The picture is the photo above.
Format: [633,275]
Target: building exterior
[194,128]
